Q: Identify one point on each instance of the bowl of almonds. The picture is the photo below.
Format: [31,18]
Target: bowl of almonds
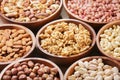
[30,13]
[65,40]
[108,40]
[95,12]
[16,42]
[32,69]
[93,68]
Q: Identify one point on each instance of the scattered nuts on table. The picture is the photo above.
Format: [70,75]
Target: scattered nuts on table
[65,39]
[28,10]
[95,10]
[14,43]
[94,71]
[32,71]
[110,41]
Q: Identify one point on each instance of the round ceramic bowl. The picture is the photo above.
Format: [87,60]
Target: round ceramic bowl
[16,46]
[66,59]
[106,61]
[35,24]
[96,25]
[41,62]
[101,31]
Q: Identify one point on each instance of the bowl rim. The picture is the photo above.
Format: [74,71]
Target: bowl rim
[98,38]
[73,15]
[33,59]
[28,31]
[91,30]
[31,22]
[84,59]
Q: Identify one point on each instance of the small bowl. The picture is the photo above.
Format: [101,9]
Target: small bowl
[94,24]
[66,59]
[98,37]
[35,24]
[15,26]
[106,60]
[36,60]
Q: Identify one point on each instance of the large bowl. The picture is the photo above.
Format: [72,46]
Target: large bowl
[66,59]
[94,24]
[106,60]
[15,26]
[36,60]
[101,32]
[39,23]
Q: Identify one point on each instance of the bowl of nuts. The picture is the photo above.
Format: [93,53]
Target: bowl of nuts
[95,12]
[93,68]
[30,13]
[32,69]
[16,42]
[108,40]
[65,40]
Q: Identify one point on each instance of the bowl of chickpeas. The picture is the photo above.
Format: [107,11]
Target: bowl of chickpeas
[65,40]
[31,13]
[108,40]
[16,42]
[32,69]
[93,68]
[95,12]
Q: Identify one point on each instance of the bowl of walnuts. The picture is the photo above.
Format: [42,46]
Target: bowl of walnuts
[65,40]
[31,13]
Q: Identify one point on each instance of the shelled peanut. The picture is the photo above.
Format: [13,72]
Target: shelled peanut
[14,43]
[110,41]
[65,39]
[30,70]
[95,10]
[28,10]
[94,69]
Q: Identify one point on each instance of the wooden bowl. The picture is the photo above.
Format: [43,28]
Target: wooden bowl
[106,60]
[66,59]
[15,26]
[95,25]
[37,60]
[101,32]
[35,24]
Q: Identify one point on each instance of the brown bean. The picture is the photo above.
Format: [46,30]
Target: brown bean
[31,64]
[8,72]
[14,78]
[32,75]
[14,71]
[6,77]
[22,77]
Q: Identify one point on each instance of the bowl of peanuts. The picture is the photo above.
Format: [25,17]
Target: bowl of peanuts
[31,13]
[65,40]
[95,12]
[94,68]
[16,42]
[108,40]
[32,69]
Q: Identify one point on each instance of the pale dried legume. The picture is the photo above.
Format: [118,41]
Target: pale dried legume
[96,72]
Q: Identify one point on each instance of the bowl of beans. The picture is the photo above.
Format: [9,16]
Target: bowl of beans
[32,69]
[16,42]
[94,12]
[93,68]
[65,40]
[30,12]
[108,40]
